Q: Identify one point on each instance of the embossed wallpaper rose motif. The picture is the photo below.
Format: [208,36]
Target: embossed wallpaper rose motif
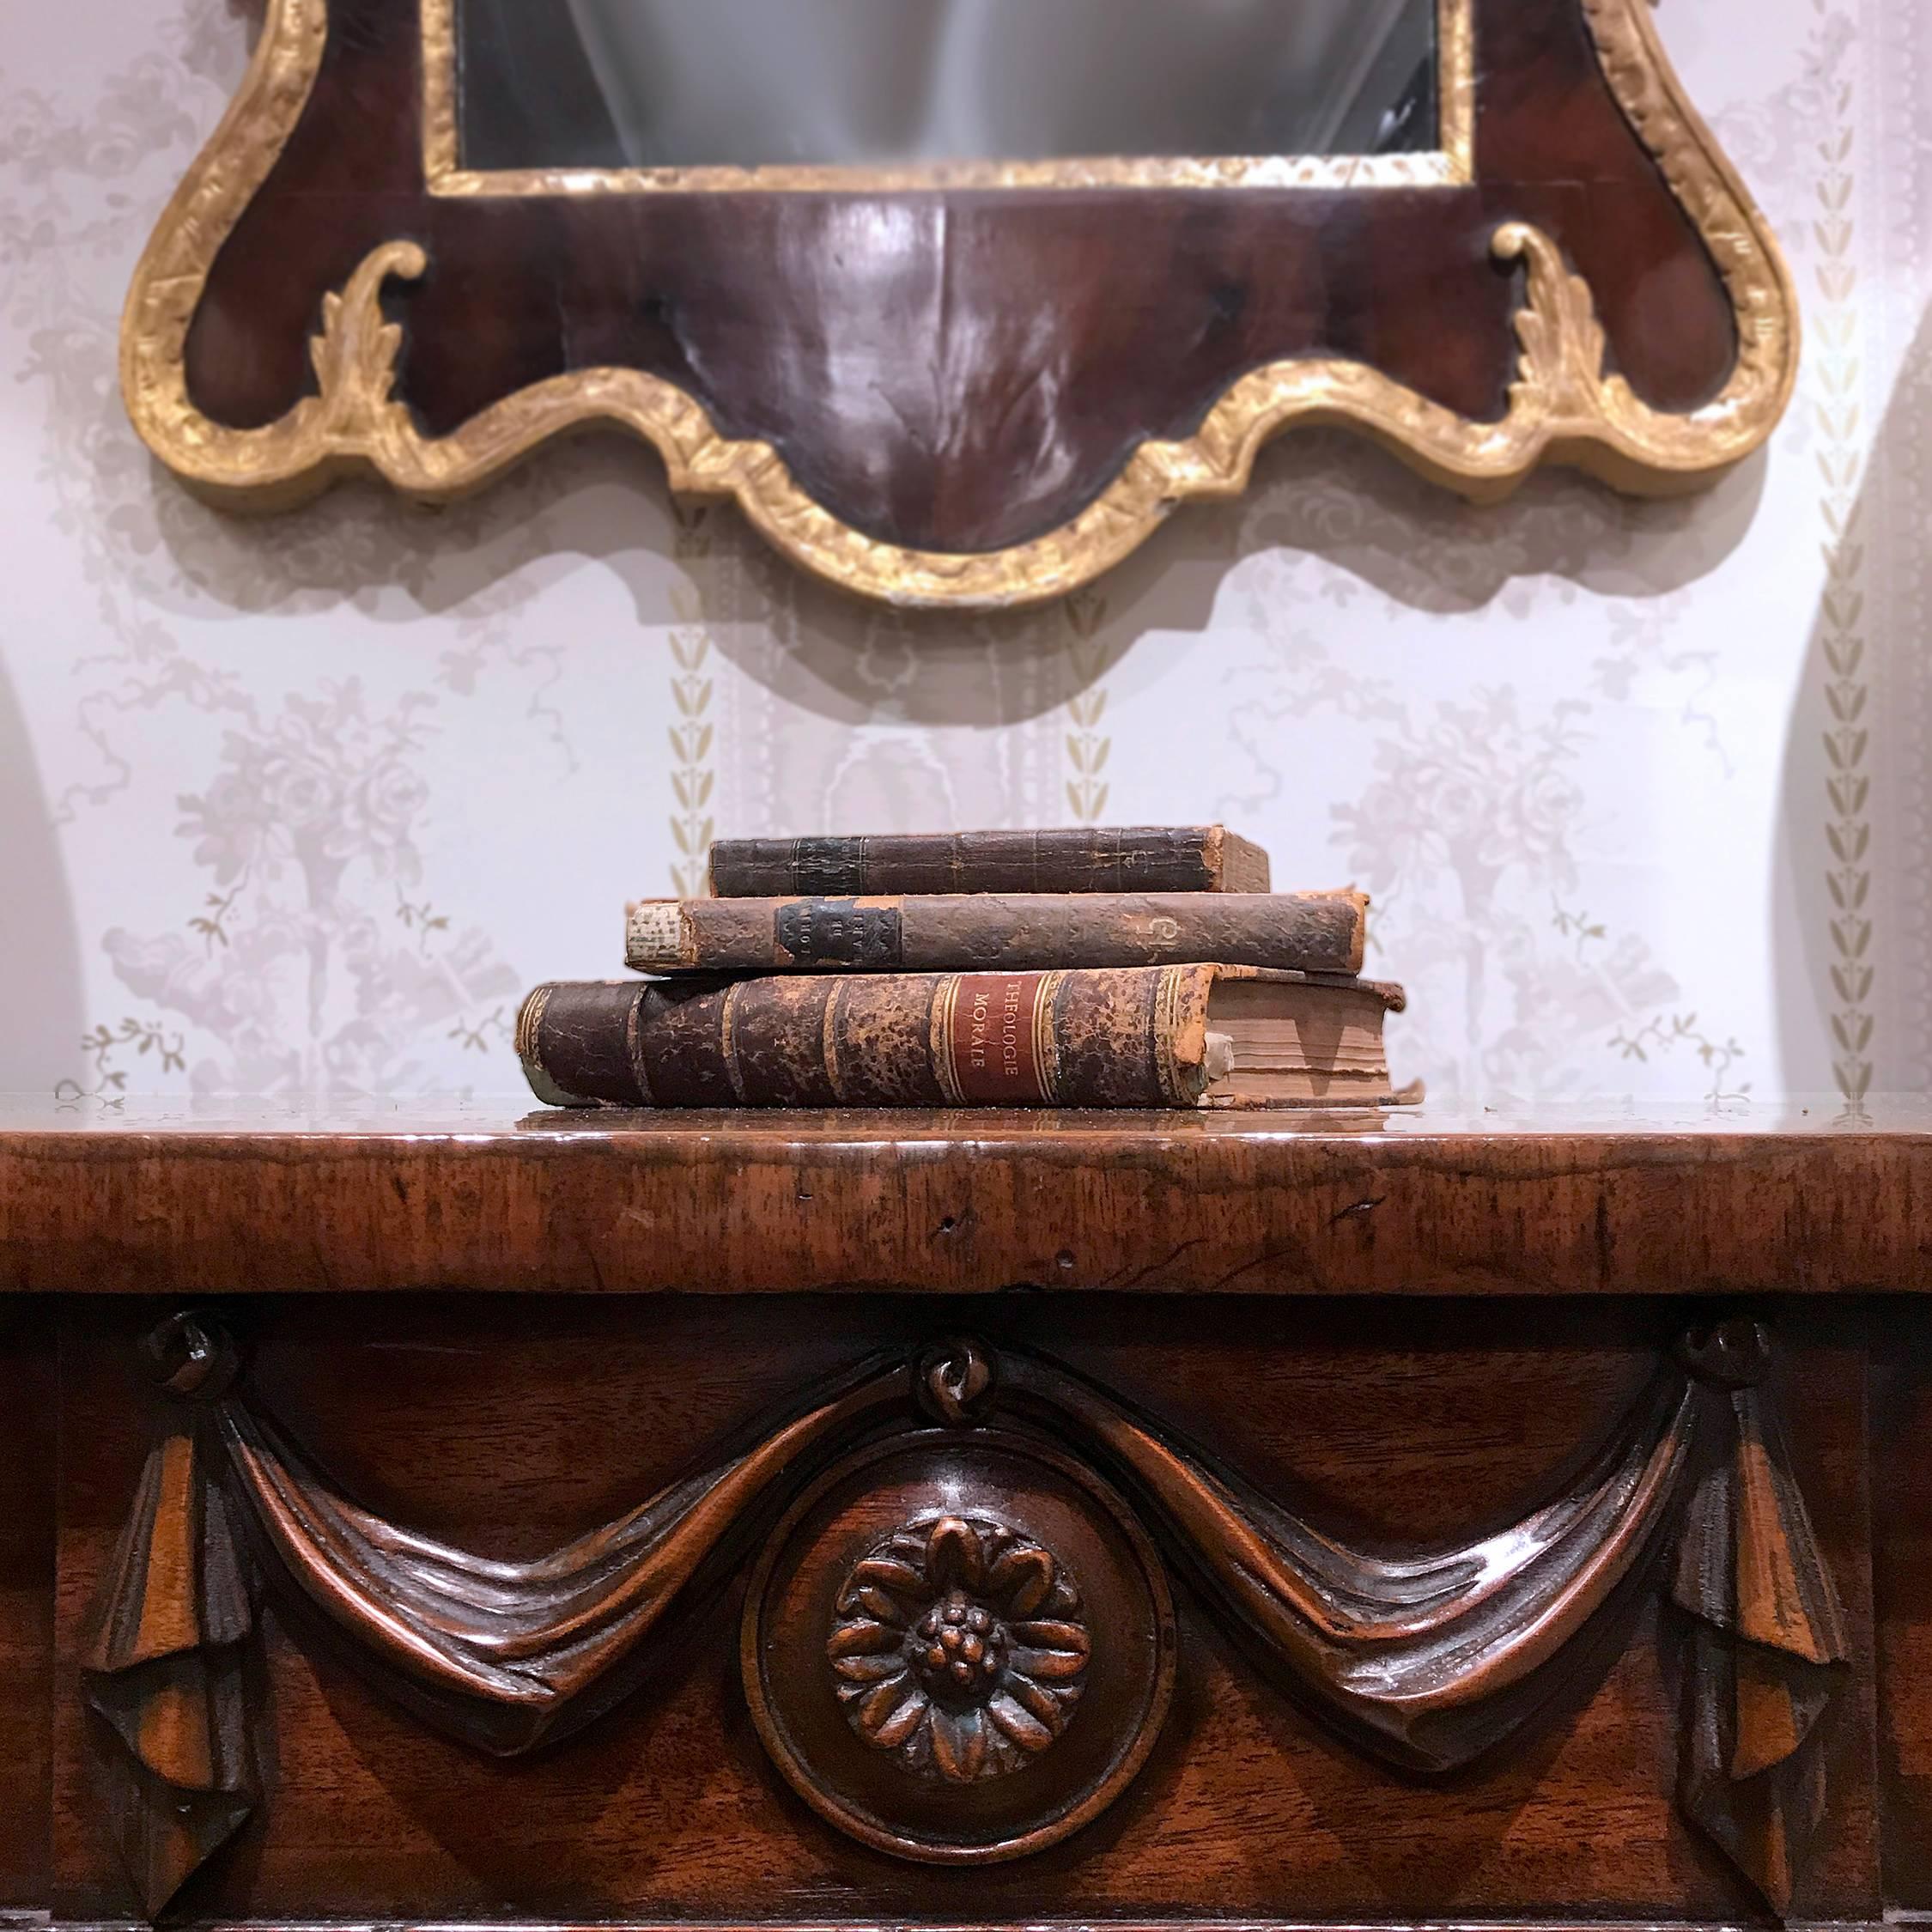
[959,1645]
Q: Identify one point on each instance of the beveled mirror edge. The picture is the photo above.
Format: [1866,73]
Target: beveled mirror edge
[1564,407]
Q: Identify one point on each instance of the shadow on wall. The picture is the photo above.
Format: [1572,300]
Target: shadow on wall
[40,1020]
[1321,492]
[1840,947]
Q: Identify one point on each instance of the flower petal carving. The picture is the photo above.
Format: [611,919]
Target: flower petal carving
[862,1637]
[965,1684]
[960,1643]
[959,1744]
[1023,1576]
[1022,1726]
[952,1556]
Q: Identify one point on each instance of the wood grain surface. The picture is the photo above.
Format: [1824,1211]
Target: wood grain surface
[1398,1202]
[28,1384]
[1560,1259]
[1901,1427]
[508,1425]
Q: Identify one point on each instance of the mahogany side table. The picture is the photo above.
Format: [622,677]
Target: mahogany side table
[445,1516]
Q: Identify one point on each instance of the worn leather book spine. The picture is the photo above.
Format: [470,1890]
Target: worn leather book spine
[1301,932]
[1134,1037]
[1083,859]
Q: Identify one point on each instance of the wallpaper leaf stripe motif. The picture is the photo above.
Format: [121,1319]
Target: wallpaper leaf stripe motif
[693,684]
[1839,417]
[1088,748]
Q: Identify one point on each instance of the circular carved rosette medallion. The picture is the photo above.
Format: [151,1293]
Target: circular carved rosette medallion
[959,1647]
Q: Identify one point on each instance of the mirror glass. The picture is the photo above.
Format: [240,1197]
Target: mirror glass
[615,84]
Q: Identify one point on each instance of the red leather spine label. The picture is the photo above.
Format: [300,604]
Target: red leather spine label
[1001,1038]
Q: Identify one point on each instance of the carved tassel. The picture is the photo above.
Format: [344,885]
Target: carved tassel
[163,1656]
[1767,1642]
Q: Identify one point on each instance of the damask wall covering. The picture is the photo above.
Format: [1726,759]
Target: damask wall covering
[1643,793]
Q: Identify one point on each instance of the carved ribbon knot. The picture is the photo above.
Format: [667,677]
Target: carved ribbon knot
[956,1381]
[959,1645]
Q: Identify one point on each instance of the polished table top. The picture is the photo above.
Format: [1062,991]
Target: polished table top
[218,1197]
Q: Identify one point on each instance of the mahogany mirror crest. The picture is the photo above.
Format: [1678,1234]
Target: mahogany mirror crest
[958,299]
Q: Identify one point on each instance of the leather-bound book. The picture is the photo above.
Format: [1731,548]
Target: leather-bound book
[1297,931]
[1083,859]
[1187,1035]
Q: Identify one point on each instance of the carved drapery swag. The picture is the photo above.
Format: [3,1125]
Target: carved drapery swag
[1425,1660]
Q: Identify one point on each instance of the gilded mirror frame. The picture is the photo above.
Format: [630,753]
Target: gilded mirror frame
[1565,399]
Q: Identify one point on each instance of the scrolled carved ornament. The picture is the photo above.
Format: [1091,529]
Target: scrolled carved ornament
[958,1643]
[1578,276]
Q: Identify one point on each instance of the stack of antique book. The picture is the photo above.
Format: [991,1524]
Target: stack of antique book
[1148,966]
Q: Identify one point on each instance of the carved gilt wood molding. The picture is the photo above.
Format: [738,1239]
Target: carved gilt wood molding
[1566,404]
[963,1589]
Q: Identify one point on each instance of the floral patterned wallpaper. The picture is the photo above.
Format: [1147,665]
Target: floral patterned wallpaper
[298,806]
